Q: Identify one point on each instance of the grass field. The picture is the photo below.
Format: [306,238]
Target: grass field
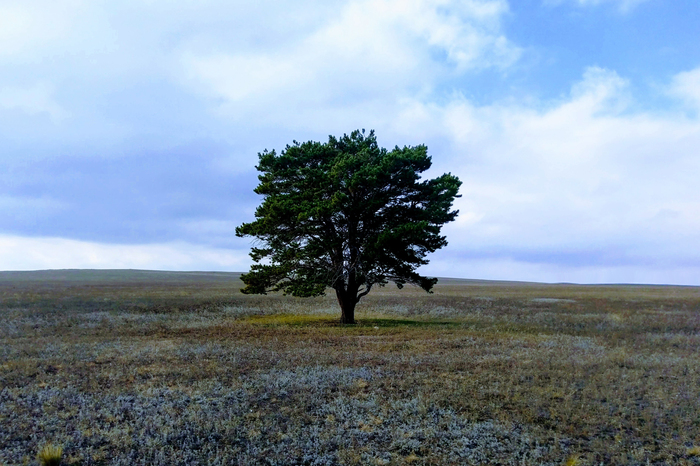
[160,368]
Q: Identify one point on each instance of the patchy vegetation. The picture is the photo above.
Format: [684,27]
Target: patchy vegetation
[117,368]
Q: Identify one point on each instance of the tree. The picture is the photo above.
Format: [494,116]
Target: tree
[348,215]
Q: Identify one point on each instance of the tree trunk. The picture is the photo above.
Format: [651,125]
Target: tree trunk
[347,307]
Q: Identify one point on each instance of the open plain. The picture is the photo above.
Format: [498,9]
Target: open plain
[165,368]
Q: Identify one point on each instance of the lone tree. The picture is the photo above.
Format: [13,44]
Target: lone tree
[348,215]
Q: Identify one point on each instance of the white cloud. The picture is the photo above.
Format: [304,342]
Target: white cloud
[371,50]
[585,177]
[33,32]
[32,100]
[24,25]
[560,193]
[509,269]
[686,86]
[21,253]
[309,61]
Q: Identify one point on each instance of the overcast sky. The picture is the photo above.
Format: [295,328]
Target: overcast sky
[129,130]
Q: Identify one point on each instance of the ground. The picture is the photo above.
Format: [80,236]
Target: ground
[156,368]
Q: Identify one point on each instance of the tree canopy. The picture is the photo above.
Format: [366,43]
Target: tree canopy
[346,215]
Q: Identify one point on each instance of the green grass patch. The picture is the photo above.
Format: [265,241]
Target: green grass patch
[293,320]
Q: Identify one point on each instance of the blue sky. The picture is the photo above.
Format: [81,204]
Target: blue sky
[130,130]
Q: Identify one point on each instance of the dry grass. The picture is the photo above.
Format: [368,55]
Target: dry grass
[50,455]
[165,368]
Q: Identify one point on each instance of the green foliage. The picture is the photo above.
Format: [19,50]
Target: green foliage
[346,214]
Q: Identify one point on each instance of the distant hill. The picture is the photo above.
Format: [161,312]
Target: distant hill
[163,276]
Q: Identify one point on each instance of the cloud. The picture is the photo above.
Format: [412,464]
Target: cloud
[32,100]
[108,68]
[686,86]
[29,25]
[505,268]
[583,188]
[371,50]
[22,253]
[27,209]
[583,182]
[178,194]
[162,110]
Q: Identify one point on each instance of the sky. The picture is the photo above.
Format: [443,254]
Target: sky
[129,131]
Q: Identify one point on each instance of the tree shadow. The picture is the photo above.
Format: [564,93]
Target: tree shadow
[300,320]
